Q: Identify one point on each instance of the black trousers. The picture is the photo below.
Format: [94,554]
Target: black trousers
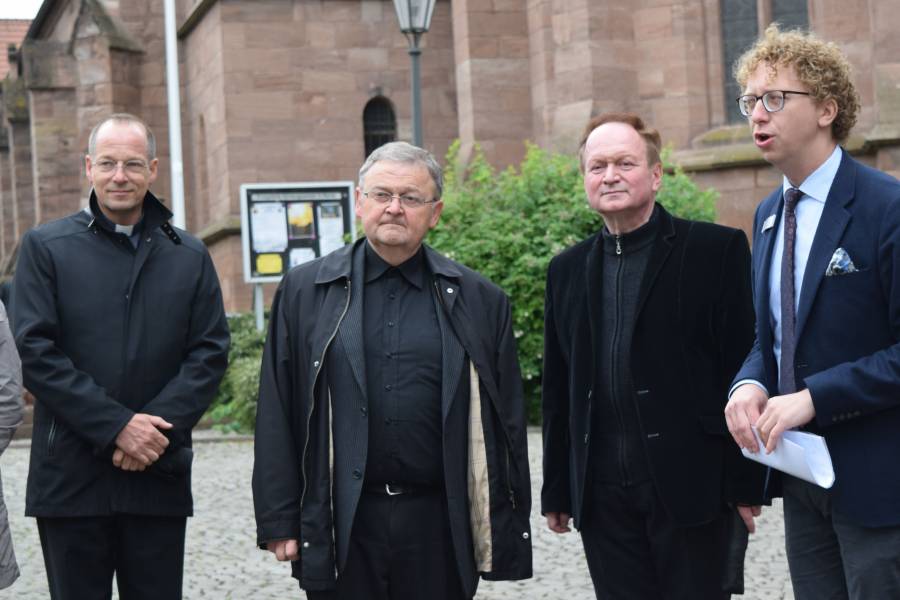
[400,549]
[82,553]
[635,552]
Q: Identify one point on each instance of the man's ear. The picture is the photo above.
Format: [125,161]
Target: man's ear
[656,173]
[828,112]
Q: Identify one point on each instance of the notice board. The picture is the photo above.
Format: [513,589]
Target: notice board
[287,224]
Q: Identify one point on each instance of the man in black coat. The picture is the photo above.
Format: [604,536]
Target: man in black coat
[120,325]
[646,322]
[391,458]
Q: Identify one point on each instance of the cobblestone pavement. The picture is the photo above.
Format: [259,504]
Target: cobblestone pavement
[223,563]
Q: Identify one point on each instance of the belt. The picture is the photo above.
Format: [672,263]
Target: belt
[396,489]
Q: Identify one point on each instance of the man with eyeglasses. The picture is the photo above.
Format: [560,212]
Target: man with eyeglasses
[120,325]
[645,324]
[391,457]
[826,273]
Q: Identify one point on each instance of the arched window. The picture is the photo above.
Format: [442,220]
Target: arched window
[379,123]
[742,21]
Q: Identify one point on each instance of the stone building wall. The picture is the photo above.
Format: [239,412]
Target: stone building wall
[274,90]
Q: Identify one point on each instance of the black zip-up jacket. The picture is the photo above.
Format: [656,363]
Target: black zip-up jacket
[693,326]
[106,331]
[311,441]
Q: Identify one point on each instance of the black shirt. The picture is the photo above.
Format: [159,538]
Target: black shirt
[403,373]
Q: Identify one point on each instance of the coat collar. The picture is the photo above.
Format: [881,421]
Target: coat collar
[339,264]
[835,217]
[658,255]
[155,215]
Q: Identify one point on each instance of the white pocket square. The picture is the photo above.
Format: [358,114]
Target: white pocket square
[840,264]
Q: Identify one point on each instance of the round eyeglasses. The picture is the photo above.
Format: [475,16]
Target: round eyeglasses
[773,101]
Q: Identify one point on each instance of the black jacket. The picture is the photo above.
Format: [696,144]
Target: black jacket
[311,440]
[106,331]
[693,327]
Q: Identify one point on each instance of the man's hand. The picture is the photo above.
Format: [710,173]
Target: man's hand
[558,521]
[284,549]
[126,462]
[783,413]
[141,438]
[742,411]
[747,513]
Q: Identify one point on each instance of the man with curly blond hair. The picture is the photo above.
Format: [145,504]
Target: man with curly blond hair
[826,276]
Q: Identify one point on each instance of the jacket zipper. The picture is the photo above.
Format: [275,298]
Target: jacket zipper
[51,437]
[509,486]
[512,494]
[312,395]
[613,355]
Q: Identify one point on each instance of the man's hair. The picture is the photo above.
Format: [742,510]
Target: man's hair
[819,65]
[123,118]
[405,153]
[651,136]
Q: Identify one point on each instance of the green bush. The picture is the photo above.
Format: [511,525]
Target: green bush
[508,225]
[234,407]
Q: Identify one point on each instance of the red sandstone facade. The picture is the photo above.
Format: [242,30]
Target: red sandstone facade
[274,90]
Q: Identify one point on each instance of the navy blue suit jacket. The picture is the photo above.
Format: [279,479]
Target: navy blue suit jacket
[848,337]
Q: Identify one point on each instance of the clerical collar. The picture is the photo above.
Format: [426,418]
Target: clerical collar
[128,229]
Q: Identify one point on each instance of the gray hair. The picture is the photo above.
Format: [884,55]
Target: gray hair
[123,118]
[405,153]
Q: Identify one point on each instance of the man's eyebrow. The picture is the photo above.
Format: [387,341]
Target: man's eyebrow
[613,157]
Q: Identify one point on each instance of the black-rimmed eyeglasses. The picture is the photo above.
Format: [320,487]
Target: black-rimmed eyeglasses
[773,101]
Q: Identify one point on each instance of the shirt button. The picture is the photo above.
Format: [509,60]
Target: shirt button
[525,536]
[388,355]
[388,387]
[363,410]
[392,296]
[306,544]
[315,363]
[387,421]
[449,290]
[357,474]
[390,323]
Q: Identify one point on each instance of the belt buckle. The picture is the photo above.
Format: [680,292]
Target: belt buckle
[389,491]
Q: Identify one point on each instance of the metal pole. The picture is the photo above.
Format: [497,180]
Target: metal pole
[258,306]
[173,89]
[414,53]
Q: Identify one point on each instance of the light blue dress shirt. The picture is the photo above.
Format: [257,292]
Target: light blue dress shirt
[809,211]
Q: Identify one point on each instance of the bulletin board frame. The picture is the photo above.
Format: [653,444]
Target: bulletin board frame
[287,224]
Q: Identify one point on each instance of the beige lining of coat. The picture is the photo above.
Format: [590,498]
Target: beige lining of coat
[479,483]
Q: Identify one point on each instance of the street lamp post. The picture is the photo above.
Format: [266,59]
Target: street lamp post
[415,18]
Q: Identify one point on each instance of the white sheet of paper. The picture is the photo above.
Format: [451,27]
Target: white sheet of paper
[798,453]
[268,224]
[331,227]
